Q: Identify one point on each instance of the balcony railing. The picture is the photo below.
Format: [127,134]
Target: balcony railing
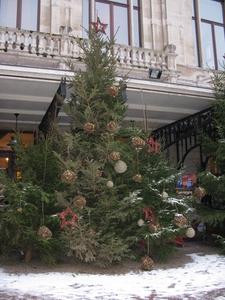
[64,45]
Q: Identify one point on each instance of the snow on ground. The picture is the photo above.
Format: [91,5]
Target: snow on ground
[203,278]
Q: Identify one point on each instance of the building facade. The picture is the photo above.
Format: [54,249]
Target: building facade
[181,40]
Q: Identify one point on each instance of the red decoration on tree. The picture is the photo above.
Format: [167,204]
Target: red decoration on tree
[147,217]
[63,216]
[99,26]
[153,146]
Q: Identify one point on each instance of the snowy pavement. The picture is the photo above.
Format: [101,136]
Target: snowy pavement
[203,278]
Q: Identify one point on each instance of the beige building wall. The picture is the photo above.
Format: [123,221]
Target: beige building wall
[162,22]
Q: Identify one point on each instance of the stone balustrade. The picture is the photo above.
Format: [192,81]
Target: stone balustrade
[64,45]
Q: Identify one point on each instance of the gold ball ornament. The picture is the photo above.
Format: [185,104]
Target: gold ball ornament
[112,127]
[91,231]
[98,173]
[113,91]
[114,155]
[137,142]
[44,233]
[199,192]
[154,227]
[109,184]
[138,178]
[79,202]
[140,222]
[20,210]
[179,220]
[120,166]
[147,263]
[190,232]
[89,127]
[69,177]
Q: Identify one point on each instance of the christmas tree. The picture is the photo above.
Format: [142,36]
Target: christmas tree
[211,208]
[27,214]
[115,202]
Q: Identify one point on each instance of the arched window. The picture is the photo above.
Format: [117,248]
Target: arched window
[122,17]
[23,14]
[209,34]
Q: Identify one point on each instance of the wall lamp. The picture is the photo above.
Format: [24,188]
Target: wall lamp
[155,73]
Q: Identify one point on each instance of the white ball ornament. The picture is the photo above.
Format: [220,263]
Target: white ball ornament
[141,222]
[120,166]
[190,232]
[164,195]
[109,184]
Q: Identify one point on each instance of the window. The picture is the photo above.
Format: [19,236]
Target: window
[116,13]
[22,14]
[212,38]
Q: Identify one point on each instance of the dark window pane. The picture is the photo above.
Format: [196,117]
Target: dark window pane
[29,14]
[195,41]
[211,10]
[8,9]
[208,45]
[121,24]
[103,14]
[85,18]
[136,29]
[220,45]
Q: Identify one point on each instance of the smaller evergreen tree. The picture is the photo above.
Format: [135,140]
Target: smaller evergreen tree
[27,216]
[213,211]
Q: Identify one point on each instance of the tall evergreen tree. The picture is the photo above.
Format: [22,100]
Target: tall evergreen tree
[115,175]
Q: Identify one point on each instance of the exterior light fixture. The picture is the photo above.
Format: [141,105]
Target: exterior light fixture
[13,138]
[155,73]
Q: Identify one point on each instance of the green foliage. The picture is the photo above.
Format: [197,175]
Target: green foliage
[213,210]
[29,202]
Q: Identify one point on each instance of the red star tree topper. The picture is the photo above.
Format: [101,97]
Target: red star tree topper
[63,216]
[99,26]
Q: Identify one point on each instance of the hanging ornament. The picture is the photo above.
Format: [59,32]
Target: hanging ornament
[109,184]
[199,192]
[112,127]
[138,178]
[137,142]
[91,231]
[147,211]
[154,227]
[113,91]
[89,127]
[79,202]
[152,146]
[147,263]
[98,173]
[44,233]
[114,155]
[63,216]
[69,177]
[99,26]
[164,195]
[190,232]
[120,166]
[140,222]
[20,210]
[179,220]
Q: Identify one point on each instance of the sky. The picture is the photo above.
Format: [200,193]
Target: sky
[202,278]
